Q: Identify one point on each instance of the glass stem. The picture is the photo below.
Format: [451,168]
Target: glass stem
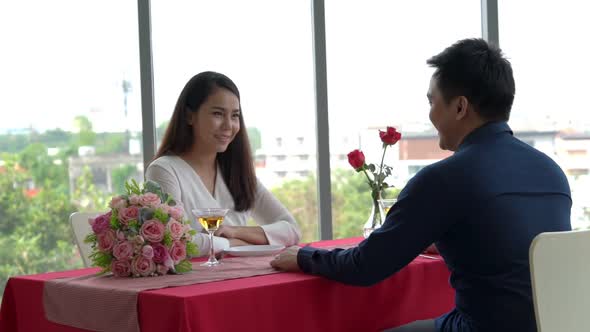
[211,250]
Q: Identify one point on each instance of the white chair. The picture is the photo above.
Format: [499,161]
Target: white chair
[560,275]
[81,228]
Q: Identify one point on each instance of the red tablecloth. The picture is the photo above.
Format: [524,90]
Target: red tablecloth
[276,302]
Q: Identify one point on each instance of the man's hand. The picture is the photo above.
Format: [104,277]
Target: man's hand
[286,260]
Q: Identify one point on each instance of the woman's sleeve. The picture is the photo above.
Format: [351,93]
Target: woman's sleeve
[170,184]
[166,178]
[277,222]
[203,243]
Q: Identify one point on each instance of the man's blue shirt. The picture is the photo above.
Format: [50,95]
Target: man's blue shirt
[482,207]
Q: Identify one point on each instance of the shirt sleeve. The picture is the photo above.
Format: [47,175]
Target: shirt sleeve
[422,214]
[204,245]
[277,222]
[167,180]
[170,184]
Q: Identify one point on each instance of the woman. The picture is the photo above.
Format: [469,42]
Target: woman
[205,161]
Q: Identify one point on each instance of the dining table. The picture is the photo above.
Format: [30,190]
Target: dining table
[285,301]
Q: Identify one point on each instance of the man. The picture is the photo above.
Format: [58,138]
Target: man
[482,206]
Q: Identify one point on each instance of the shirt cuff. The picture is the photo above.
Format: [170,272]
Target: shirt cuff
[220,244]
[304,258]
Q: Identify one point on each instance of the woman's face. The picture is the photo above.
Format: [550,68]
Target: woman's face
[217,121]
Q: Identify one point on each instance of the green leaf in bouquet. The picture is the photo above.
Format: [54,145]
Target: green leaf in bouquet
[153,187]
[133,224]
[167,240]
[371,167]
[191,249]
[101,259]
[170,201]
[132,187]
[161,215]
[90,238]
[192,232]
[183,266]
[115,224]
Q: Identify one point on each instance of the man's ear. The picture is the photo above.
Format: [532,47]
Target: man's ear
[461,107]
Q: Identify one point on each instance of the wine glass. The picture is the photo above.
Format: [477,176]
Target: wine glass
[210,219]
[385,204]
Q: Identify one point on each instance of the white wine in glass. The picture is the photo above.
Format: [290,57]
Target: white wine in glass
[385,204]
[210,219]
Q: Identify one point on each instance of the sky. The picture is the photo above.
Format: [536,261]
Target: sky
[61,59]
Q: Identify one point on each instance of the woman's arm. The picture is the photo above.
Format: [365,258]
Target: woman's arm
[245,234]
[277,223]
[170,184]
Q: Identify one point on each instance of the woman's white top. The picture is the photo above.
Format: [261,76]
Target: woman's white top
[179,179]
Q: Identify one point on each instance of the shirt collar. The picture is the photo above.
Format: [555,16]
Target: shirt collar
[488,130]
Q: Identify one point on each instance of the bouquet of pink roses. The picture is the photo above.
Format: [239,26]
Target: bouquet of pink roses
[144,234]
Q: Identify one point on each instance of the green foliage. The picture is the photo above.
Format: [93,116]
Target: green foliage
[121,174]
[183,266]
[101,259]
[85,136]
[255,139]
[351,203]
[86,197]
[161,215]
[167,240]
[300,198]
[192,250]
[36,235]
[161,130]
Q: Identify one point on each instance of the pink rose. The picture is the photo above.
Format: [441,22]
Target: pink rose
[160,253]
[127,214]
[152,231]
[150,200]
[121,268]
[120,235]
[101,223]
[123,250]
[142,266]
[161,269]
[134,199]
[177,251]
[118,202]
[147,251]
[106,240]
[176,229]
[176,212]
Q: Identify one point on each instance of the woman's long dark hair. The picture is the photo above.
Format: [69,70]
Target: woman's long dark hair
[236,163]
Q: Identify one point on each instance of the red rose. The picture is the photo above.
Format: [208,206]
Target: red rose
[356,158]
[391,136]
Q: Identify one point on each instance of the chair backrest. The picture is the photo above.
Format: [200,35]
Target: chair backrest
[81,228]
[560,275]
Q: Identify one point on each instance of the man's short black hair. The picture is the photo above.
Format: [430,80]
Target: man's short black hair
[477,70]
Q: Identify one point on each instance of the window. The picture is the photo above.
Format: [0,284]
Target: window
[71,126]
[268,56]
[557,53]
[378,77]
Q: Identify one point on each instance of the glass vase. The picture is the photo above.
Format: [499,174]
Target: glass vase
[376,217]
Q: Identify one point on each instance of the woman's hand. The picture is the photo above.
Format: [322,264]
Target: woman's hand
[226,231]
[248,234]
